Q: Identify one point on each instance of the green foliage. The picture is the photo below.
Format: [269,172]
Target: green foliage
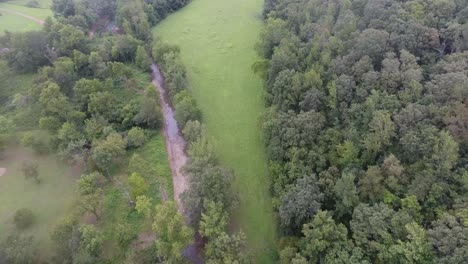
[36,141]
[30,170]
[18,249]
[149,114]
[107,151]
[90,183]
[222,247]
[301,202]
[23,218]
[161,48]
[173,235]
[346,194]
[125,234]
[326,241]
[138,186]
[29,51]
[136,137]
[186,108]
[63,237]
[415,250]
[214,220]
[208,180]
[393,116]
[193,130]
[90,203]
[143,205]
[141,59]
[91,240]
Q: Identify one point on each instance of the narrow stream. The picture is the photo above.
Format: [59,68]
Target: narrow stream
[175,147]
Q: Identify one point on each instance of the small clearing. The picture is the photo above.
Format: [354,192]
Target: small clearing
[2,171]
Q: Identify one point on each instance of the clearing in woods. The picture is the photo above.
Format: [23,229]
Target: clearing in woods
[217,39]
[49,200]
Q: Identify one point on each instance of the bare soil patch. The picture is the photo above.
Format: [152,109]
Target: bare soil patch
[144,240]
[2,171]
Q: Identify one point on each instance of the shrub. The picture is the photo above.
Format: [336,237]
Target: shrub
[39,144]
[186,108]
[193,130]
[136,137]
[33,4]
[23,218]
[125,234]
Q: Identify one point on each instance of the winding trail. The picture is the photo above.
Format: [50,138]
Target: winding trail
[35,19]
[175,147]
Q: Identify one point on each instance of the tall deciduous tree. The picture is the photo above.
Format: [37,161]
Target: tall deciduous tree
[301,202]
[173,236]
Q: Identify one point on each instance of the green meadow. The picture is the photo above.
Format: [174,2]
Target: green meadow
[15,23]
[49,200]
[217,39]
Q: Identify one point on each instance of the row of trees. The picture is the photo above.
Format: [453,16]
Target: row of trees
[209,198]
[366,129]
[134,17]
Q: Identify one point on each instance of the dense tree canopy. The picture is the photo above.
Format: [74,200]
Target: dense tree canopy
[370,96]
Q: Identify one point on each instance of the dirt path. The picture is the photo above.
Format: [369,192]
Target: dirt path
[175,143]
[35,19]
[175,146]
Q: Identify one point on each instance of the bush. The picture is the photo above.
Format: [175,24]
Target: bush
[23,218]
[38,143]
[136,137]
[125,234]
[185,108]
[33,4]
[193,130]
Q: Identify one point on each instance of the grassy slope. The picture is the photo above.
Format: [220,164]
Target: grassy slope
[49,200]
[217,40]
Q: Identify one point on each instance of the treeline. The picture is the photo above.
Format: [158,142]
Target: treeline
[134,17]
[366,129]
[209,198]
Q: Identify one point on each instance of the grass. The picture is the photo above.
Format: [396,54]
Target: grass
[42,3]
[154,152]
[49,200]
[217,39]
[116,210]
[41,13]
[15,23]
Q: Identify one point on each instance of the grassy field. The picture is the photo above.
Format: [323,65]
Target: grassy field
[15,23]
[49,200]
[217,39]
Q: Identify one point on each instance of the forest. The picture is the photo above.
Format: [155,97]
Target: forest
[366,129]
[360,106]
